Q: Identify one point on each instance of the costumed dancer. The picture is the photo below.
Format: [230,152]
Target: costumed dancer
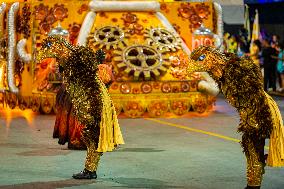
[91,103]
[241,83]
[66,127]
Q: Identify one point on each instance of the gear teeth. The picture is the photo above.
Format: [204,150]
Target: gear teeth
[173,49]
[127,70]
[120,45]
[165,57]
[147,75]
[156,73]
[129,62]
[162,68]
[136,75]
[121,65]
[117,58]
[117,52]
[166,63]
[173,45]
[105,42]
[148,41]
[108,47]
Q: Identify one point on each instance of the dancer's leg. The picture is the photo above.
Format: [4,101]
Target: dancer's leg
[254,151]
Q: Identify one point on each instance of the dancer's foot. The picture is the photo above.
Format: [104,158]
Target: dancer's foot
[85,175]
[252,187]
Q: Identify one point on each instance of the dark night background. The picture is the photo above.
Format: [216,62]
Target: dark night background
[271,17]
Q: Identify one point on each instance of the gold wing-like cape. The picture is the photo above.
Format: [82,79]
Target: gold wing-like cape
[91,101]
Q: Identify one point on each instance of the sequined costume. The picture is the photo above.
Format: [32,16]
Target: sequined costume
[241,83]
[91,103]
[67,128]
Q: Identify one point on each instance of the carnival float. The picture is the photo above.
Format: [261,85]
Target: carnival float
[147,43]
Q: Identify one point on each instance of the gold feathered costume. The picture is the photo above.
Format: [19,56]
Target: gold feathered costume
[92,105]
[241,83]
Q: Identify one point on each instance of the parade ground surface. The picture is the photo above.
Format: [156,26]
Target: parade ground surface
[190,152]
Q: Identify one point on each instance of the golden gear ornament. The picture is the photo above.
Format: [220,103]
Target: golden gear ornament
[108,37]
[142,61]
[163,39]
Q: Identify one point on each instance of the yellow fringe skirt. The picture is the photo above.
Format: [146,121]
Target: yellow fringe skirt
[110,133]
[276,143]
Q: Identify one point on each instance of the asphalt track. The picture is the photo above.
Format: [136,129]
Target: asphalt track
[195,152]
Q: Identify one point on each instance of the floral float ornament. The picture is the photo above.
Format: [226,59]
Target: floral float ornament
[179,66]
[177,28]
[129,18]
[195,14]
[131,24]
[134,109]
[23,22]
[146,88]
[157,108]
[60,12]
[83,8]
[41,11]
[165,8]
[48,16]
[179,107]
[74,30]
[125,88]
[166,87]
[202,10]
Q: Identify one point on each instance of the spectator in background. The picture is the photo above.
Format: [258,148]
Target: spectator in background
[255,52]
[280,66]
[233,45]
[269,65]
[275,40]
[243,41]
[226,41]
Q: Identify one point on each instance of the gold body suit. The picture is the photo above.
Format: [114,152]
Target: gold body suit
[91,102]
[240,81]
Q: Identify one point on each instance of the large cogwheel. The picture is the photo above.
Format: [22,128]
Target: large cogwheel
[142,61]
[163,39]
[108,37]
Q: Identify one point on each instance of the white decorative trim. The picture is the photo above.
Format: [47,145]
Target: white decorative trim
[169,26]
[2,12]
[86,28]
[220,25]
[2,8]
[11,46]
[208,85]
[106,6]
[26,57]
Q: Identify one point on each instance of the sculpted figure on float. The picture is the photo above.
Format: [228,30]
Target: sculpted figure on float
[240,81]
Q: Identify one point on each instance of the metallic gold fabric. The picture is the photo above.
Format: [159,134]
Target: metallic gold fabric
[93,158]
[276,144]
[255,160]
[91,102]
[241,83]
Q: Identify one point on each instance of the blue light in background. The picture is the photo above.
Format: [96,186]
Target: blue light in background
[262,1]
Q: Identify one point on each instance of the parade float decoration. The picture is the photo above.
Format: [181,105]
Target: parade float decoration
[147,43]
